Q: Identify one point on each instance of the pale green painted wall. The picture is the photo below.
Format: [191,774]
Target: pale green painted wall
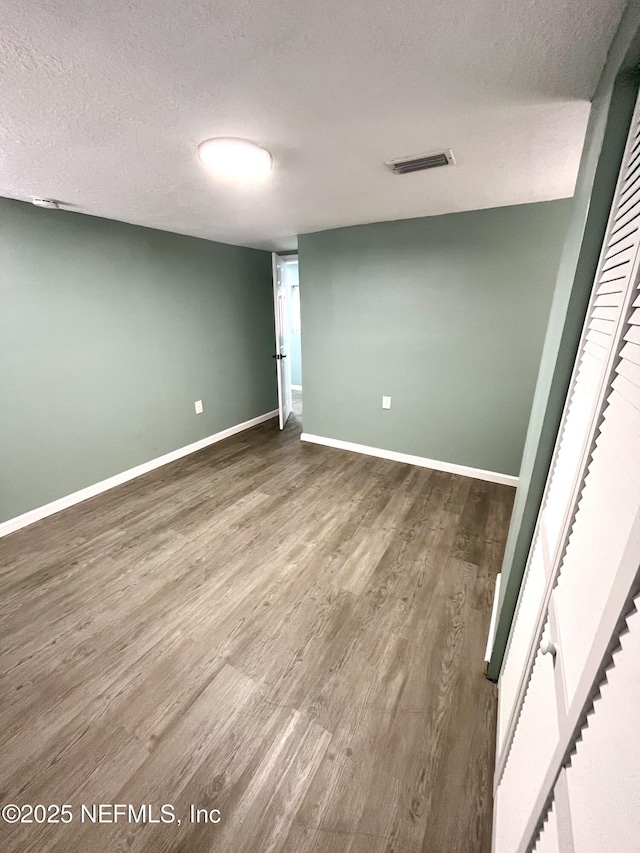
[108,334]
[604,144]
[446,314]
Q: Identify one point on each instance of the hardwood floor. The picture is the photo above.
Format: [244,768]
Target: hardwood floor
[288,633]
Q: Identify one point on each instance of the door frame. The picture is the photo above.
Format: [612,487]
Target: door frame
[283,370]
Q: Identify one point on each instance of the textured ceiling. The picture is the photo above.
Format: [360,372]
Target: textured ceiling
[105,103]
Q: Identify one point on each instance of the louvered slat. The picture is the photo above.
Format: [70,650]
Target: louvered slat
[633,335]
[594,350]
[548,841]
[633,181]
[629,370]
[627,390]
[621,251]
[608,299]
[610,313]
[625,219]
[621,238]
[600,338]
[628,202]
[601,325]
[631,352]
[615,286]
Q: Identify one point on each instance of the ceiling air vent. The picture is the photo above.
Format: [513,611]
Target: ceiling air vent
[419,163]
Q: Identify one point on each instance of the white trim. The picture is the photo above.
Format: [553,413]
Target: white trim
[296,387]
[421,461]
[494,619]
[276,328]
[40,512]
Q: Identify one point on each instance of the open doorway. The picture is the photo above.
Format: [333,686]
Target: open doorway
[286,284]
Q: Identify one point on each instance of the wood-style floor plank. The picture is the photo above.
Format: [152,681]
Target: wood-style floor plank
[285,632]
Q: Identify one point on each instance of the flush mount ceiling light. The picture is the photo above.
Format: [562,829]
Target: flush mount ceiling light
[235,159]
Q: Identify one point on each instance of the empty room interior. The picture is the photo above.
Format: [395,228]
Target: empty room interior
[320,427]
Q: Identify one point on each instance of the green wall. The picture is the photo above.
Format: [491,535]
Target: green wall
[108,334]
[611,112]
[445,314]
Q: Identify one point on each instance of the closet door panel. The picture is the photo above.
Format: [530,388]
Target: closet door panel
[604,776]
[595,549]
[602,527]
[531,751]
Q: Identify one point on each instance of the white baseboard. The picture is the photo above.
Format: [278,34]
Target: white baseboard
[296,387]
[40,512]
[421,461]
[494,619]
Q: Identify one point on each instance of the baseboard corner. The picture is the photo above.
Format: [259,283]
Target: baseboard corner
[409,459]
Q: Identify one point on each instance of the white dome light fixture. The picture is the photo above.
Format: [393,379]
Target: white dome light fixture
[235,159]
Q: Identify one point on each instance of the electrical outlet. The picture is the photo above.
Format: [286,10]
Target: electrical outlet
[386,402]
[199,408]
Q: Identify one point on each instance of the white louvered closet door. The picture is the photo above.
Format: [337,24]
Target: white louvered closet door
[568,751]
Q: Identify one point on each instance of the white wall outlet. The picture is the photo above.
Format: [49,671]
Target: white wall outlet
[199,408]
[386,402]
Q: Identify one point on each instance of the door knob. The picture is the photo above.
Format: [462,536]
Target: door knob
[547,647]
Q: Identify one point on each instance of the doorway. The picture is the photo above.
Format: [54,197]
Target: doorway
[288,355]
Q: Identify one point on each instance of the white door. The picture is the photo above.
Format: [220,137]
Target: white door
[283,362]
[568,757]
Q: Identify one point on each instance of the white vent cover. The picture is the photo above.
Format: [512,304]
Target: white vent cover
[420,162]
[48,203]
